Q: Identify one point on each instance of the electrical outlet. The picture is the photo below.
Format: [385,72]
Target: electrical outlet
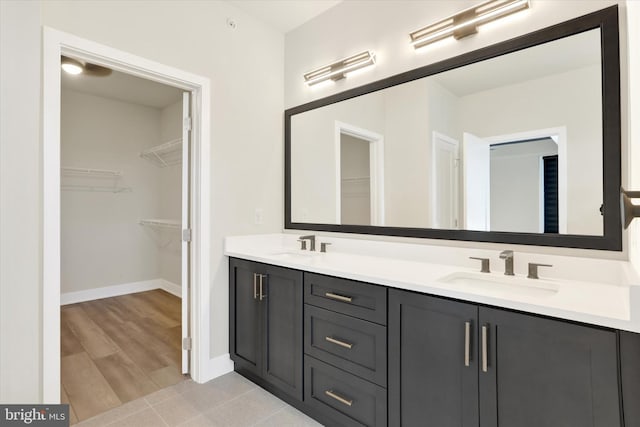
[258,216]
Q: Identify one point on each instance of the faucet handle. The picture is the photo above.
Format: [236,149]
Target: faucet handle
[303,244]
[323,246]
[484,267]
[533,269]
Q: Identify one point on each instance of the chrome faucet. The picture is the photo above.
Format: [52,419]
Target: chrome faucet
[312,241]
[507,256]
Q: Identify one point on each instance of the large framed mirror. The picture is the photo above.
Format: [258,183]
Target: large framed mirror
[518,142]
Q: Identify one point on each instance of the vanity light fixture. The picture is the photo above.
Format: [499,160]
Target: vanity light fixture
[466,22]
[339,69]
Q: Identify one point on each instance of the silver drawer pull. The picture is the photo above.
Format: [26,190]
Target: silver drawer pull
[338,342]
[467,343]
[340,399]
[485,362]
[337,297]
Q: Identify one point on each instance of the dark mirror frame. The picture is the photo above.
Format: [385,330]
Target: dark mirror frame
[607,21]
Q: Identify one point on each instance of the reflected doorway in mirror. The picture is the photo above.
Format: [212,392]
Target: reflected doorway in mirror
[359,168]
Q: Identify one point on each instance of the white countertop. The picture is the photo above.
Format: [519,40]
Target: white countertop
[595,291]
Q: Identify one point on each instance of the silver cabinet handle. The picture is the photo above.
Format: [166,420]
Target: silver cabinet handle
[262,276]
[467,343]
[338,342]
[340,399]
[255,285]
[337,297]
[485,363]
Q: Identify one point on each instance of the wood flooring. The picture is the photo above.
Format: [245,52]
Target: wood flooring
[115,350]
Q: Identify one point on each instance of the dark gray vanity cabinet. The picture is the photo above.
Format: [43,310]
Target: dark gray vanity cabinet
[463,365]
[630,374]
[265,318]
[547,373]
[433,361]
[345,345]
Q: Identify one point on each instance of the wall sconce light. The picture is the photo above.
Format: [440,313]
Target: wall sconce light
[466,22]
[629,210]
[339,69]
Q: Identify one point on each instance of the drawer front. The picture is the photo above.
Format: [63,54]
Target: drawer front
[358,299]
[345,398]
[355,345]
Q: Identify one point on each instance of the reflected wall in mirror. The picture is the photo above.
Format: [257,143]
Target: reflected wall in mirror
[510,145]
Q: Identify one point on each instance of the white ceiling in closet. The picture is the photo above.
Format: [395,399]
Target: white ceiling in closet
[123,87]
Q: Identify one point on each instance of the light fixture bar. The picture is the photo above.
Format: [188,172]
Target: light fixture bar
[465,23]
[339,69]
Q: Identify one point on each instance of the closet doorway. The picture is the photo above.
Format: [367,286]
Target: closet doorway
[172,228]
[124,154]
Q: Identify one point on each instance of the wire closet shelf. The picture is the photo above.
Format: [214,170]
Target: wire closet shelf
[163,155]
[91,180]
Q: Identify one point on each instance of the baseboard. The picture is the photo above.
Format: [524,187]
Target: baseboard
[117,290]
[215,368]
[170,287]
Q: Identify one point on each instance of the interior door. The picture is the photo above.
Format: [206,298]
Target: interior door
[477,182]
[444,182]
[186,227]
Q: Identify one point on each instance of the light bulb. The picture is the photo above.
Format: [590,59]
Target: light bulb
[72,68]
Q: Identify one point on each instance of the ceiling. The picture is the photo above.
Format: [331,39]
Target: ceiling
[123,87]
[543,60]
[284,15]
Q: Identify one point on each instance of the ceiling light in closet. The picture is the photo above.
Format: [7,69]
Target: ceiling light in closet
[466,22]
[339,69]
[71,65]
[74,66]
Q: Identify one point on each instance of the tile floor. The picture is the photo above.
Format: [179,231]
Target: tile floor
[229,401]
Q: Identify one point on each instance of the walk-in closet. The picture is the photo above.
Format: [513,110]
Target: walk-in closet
[122,217]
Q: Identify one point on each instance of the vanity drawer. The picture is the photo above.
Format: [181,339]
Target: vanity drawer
[347,399]
[358,299]
[357,346]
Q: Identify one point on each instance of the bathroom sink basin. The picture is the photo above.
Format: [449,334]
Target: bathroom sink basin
[500,284]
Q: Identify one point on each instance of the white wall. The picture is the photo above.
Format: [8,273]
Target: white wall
[170,198]
[20,202]
[102,243]
[385,31]
[246,141]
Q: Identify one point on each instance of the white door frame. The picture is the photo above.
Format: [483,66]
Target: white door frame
[56,43]
[376,169]
[559,136]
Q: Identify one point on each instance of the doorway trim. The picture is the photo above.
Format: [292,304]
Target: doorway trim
[376,169]
[56,43]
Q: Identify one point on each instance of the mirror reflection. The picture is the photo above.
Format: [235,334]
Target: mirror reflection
[499,145]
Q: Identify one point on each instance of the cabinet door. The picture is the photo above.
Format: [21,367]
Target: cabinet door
[282,305]
[547,373]
[431,381]
[630,369]
[244,316]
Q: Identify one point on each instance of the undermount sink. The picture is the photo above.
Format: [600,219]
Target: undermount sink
[498,283]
